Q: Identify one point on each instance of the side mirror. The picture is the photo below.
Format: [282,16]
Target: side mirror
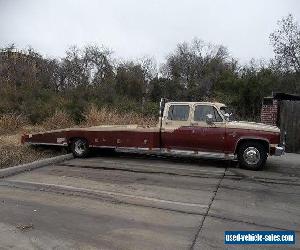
[209,119]
[227,116]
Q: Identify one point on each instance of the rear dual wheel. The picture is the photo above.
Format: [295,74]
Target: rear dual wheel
[80,148]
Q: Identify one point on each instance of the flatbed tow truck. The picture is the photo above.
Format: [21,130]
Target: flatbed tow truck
[195,128]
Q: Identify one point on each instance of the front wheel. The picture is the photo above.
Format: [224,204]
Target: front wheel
[80,148]
[252,155]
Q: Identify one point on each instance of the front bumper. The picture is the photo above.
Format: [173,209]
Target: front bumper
[279,150]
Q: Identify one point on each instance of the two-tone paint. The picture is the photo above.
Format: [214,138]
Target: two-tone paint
[190,135]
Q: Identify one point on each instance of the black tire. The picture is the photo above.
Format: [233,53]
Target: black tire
[80,148]
[252,155]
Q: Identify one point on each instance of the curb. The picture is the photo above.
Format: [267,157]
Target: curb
[33,165]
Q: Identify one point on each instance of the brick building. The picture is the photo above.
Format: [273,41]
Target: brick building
[269,111]
[283,110]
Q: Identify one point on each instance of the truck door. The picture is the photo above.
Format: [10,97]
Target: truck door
[176,126]
[208,137]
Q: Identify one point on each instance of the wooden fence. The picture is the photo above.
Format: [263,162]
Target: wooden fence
[290,123]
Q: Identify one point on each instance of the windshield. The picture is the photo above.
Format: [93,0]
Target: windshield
[227,113]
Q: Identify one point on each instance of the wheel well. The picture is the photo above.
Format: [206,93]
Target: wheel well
[262,142]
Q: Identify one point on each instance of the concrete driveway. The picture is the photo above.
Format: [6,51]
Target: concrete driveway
[138,202]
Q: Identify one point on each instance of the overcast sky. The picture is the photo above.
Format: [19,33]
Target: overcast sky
[134,28]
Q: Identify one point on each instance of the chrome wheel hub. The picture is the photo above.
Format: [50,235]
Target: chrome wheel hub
[251,155]
[79,147]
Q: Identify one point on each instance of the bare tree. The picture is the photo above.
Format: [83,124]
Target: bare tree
[98,64]
[286,43]
[196,66]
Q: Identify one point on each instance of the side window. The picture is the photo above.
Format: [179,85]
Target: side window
[202,110]
[218,118]
[179,112]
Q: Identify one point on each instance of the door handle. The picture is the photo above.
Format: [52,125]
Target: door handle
[194,123]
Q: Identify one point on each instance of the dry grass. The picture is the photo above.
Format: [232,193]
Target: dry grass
[10,123]
[60,119]
[104,116]
[12,153]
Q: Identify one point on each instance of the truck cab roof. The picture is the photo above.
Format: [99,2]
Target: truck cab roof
[216,104]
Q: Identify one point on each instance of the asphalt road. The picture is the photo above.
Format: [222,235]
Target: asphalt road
[138,202]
